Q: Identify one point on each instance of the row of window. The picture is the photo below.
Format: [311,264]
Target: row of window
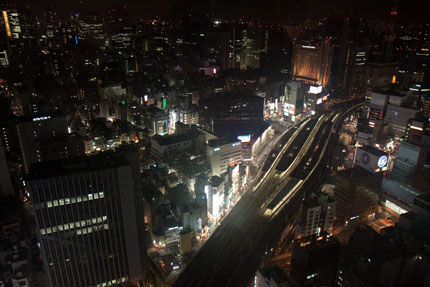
[112,282]
[74,225]
[91,229]
[71,200]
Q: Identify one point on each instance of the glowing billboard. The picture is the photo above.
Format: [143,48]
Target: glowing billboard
[315,89]
[244,138]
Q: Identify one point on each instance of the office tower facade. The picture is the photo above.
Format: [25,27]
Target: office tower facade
[86,221]
[415,130]
[377,104]
[215,192]
[356,193]
[312,64]
[217,48]
[316,215]
[44,138]
[223,153]
[398,118]
[237,44]
[353,78]
[381,75]
[221,110]
[294,100]
[410,159]
[256,45]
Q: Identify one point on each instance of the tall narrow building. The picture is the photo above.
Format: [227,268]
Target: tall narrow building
[86,221]
[312,63]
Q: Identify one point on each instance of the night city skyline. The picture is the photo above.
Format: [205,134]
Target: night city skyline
[189,143]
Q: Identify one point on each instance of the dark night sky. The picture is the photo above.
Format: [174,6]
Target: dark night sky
[409,9]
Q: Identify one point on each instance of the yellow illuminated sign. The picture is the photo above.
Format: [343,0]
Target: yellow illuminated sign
[6,23]
[393,80]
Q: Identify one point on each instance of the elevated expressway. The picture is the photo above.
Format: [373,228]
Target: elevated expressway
[234,251]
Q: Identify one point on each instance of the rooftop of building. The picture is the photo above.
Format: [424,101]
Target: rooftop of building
[216,181]
[173,139]
[356,172]
[221,141]
[399,190]
[62,167]
[235,129]
[372,150]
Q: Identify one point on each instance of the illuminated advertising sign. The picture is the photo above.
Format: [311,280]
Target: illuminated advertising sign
[244,138]
[315,89]
[41,118]
[382,161]
[292,109]
[325,98]
[6,24]
[374,162]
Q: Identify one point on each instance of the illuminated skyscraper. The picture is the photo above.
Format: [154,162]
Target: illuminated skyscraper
[86,221]
[312,63]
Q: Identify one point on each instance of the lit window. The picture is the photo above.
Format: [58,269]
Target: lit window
[67,200]
[61,201]
[90,196]
[48,230]
[94,220]
[99,219]
[73,199]
[49,203]
[78,232]
[55,202]
[84,198]
[60,227]
[105,226]
[90,229]
[96,196]
[83,223]
[42,231]
[72,225]
[79,199]
[101,195]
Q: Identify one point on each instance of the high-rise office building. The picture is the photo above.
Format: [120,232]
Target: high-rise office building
[316,215]
[353,78]
[381,75]
[256,44]
[46,138]
[294,100]
[86,222]
[410,159]
[312,63]
[222,153]
[398,117]
[221,110]
[237,44]
[356,193]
